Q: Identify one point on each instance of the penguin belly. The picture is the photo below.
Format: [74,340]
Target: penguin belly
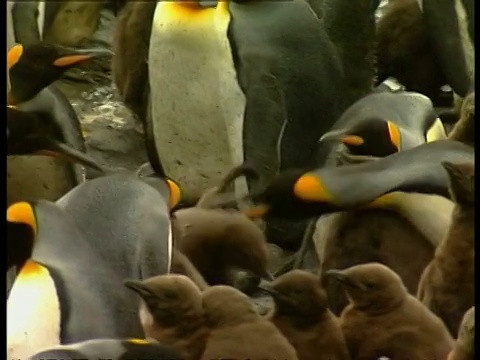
[38,177]
[33,312]
[197,106]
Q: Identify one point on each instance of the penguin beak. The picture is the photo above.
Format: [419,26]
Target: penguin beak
[136,286]
[268,288]
[340,276]
[267,276]
[57,149]
[80,55]
[341,136]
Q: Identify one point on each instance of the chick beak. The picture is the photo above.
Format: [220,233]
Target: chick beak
[340,276]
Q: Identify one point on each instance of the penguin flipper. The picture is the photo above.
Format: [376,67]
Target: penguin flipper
[265,121]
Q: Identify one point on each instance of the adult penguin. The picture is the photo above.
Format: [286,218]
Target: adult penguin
[239,88]
[382,123]
[32,69]
[110,349]
[426,44]
[77,253]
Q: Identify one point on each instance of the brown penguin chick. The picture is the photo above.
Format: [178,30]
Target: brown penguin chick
[382,319]
[74,23]
[405,50]
[301,314]
[371,235]
[464,129]
[447,284]
[171,313]
[131,42]
[182,265]
[464,348]
[237,331]
[218,241]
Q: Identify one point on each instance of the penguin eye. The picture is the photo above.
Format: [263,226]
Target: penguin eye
[369,285]
[169,295]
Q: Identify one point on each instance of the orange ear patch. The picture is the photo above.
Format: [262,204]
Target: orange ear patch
[14,55]
[309,188]
[395,136]
[71,60]
[175,194]
[22,212]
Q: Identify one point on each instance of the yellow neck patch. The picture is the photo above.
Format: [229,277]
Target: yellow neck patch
[22,212]
[395,136]
[436,131]
[14,55]
[32,270]
[383,201]
[310,188]
[191,10]
[138,341]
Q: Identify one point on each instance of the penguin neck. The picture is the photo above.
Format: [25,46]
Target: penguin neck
[459,240]
[383,305]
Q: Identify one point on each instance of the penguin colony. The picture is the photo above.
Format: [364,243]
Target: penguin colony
[118,267]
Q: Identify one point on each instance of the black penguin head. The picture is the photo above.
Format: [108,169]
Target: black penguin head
[21,233]
[374,137]
[30,134]
[293,194]
[34,67]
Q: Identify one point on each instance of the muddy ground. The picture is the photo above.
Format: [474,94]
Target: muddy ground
[114,138]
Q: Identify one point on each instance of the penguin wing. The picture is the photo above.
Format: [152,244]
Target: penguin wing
[414,170]
[265,120]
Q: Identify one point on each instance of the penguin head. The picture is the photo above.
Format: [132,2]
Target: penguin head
[157,179]
[298,293]
[370,286]
[21,233]
[374,136]
[170,299]
[33,67]
[294,194]
[29,134]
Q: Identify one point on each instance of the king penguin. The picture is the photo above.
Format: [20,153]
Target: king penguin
[225,81]
[32,69]
[382,123]
[227,86]
[112,349]
[77,253]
